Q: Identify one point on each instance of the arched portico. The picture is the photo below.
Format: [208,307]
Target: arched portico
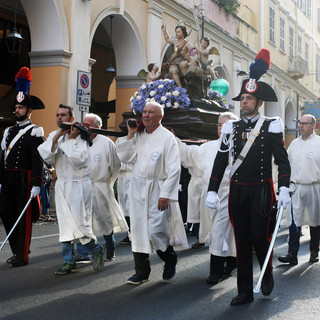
[290,123]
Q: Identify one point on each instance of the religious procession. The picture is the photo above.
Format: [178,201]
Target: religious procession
[182,161]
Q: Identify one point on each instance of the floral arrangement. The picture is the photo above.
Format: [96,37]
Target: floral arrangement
[218,97]
[165,92]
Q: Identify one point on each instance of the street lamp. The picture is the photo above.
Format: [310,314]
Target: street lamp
[14,39]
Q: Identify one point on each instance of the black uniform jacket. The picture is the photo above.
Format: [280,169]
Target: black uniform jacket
[256,168]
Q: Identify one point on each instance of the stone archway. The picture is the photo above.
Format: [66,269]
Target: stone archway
[290,123]
[124,49]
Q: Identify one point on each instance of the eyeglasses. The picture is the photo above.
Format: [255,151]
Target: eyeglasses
[304,123]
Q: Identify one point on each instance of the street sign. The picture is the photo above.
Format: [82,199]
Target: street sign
[84,108]
[84,88]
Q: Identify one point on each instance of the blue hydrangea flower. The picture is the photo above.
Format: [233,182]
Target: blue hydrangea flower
[165,92]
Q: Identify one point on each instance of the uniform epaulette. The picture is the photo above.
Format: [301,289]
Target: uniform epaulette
[227,127]
[3,142]
[276,125]
[37,131]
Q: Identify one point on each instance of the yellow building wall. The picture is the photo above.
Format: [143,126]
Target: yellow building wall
[123,104]
[50,85]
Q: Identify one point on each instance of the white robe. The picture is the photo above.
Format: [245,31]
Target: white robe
[123,184]
[155,174]
[71,159]
[304,157]
[215,225]
[107,215]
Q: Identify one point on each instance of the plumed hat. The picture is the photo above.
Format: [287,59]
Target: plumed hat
[23,80]
[259,89]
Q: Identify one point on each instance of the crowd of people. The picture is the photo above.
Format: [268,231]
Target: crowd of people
[231,193]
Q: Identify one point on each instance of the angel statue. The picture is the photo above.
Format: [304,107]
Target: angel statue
[203,53]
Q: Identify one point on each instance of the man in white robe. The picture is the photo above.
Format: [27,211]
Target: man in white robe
[154,211]
[107,216]
[304,157]
[69,153]
[123,186]
[215,225]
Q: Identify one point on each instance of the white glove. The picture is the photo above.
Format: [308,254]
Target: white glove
[212,200]
[34,192]
[284,197]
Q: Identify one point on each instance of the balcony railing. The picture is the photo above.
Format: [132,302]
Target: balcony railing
[297,68]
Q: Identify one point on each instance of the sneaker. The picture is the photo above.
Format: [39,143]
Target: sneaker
[97,260]
[137,279]
[82,259]
[66,268]
[47,218]
[198,245]
[110,255]
[126,240]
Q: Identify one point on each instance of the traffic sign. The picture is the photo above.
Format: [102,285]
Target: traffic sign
[84,88]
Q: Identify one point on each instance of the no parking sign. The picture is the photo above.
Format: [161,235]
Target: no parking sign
[84,88]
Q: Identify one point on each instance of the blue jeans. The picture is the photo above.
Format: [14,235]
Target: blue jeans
[110,245]
[68,250]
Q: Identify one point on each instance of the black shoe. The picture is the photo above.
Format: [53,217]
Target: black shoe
[241,299]
[288,259]
[11,259]
[314,257]
[229,268]
[126,240]
[137,279]
[213,279]
[17,262]
[267,285]
[198,245]
[169,269]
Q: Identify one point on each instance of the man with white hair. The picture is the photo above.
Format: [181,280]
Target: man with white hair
[304,159]
[215,225]
[107,215]
[155,217]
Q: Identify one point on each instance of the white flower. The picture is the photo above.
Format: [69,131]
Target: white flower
[160,86]
[152,100]
[135,94]
[138,97]
[166,80]
[176,105]
[168,104]
[163,98]
[168,93]
[175,93]
[134,111]
[131,99]
[152,93]
[143,86]
[148,100]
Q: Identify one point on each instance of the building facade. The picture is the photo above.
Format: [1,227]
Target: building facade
[63,37]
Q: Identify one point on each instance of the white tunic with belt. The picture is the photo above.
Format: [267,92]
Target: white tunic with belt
[155,174]
[123,185]
[105,165]
[304,157]
[71,159]
[215,222]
